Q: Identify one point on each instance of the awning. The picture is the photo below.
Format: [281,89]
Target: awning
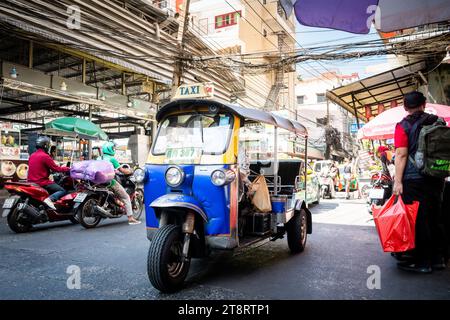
[381,89]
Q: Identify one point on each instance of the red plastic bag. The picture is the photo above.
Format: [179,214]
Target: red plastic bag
[396,224]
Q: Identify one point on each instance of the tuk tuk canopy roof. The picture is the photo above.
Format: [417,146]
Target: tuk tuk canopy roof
[245,113]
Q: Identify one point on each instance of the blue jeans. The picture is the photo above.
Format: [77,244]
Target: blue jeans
[55,191]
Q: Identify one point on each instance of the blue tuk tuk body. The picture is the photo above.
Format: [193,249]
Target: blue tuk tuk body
[197,193]
[193,194]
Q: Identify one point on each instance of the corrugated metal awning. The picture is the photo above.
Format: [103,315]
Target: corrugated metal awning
[380,89]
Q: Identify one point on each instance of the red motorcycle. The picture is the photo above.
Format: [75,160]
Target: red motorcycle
[25,207]
[380,190]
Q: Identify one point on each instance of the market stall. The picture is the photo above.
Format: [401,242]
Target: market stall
[13,162]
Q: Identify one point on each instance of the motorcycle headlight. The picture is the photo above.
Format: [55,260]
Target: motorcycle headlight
[139,175]
[174,176]
[222,177]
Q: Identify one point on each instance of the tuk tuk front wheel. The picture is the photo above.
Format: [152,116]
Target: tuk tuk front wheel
[297,229]
[166,267]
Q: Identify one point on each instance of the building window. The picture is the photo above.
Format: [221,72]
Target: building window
[320,97]
[300,99]
[226,20]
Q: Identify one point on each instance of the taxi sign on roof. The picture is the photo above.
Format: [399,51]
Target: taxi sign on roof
[195,90]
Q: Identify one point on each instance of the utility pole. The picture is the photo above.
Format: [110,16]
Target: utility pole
[327,134]
[178,69]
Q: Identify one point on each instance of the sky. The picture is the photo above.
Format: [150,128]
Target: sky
[310,36]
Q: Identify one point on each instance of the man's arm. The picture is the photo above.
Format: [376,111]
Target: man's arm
[401,158]
[119,168]
[125,171]
[50,163]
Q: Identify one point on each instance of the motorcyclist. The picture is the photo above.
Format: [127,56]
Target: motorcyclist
[385,156]
[109,152]
[40,165]
[330,172]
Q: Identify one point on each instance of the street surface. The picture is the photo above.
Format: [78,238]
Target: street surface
[112,259]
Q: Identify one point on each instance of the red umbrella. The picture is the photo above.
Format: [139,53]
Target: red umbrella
[383,125]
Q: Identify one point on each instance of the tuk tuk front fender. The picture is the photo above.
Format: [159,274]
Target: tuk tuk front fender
[299,205]
[173,200]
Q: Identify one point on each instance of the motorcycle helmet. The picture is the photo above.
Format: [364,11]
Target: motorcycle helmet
[43,142]
[109,148]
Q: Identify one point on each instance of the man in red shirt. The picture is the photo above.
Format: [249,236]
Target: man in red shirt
[40,165]
[413,186]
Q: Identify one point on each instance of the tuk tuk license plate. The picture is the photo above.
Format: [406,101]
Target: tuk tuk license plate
[376,194]
[9,203]
[183,155]
[80,197]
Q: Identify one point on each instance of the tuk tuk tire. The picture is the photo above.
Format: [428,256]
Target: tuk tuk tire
[14,225]
[157,262]
[297,230]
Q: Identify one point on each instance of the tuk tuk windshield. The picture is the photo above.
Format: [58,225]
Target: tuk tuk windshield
[206,133]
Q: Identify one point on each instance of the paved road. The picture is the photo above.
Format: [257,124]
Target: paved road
[112,259]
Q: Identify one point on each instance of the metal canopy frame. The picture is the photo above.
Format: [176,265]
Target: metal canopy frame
[380,89]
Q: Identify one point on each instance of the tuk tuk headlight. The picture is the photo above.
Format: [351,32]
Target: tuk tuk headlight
[139,175]
[222,177]
[174,176]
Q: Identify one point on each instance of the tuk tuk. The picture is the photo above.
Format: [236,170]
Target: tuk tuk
[201,171]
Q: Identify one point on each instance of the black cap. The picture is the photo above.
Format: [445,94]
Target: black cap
[414,100]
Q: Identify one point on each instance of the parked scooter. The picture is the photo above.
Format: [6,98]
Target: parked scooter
[99,202]
[380,191]
[25,207]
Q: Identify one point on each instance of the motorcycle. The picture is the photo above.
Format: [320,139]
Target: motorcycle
[25,207]
[98,201]
[380,190]
[325,186]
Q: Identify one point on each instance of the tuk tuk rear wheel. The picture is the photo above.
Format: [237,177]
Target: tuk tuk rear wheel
[166,266]
[297,229]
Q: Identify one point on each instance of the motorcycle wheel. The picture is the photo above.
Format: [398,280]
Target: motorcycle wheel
[322,193]
[365,190]
[75,219]
[86,217]
[166,267]
[138,204]
[14,224]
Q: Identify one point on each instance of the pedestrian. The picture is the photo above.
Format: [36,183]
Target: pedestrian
[413,186]
[347,177]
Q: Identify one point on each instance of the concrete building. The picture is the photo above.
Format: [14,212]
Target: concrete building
[312,109]
[251,26]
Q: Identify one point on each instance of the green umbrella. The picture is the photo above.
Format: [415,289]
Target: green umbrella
[76,127]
